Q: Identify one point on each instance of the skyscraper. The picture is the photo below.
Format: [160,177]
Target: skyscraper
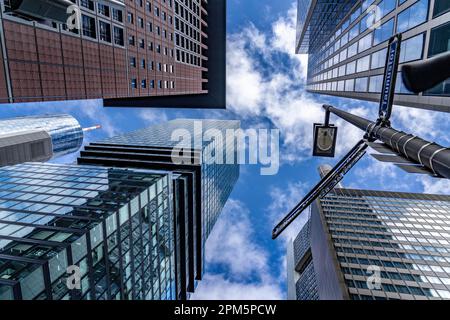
[124,49]
[38,138]
[115,225]
[302,282]
[347,52]
[365,244]
[135,224]
[205,187]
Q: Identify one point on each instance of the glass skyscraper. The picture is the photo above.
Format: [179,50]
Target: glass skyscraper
[202,188]
[376,245]
[133,221]
[65,132]
[347,51]
[302,283]
[115,225]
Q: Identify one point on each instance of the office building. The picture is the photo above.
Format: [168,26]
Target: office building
[124,49]
[38,138]
[302,283]
[347,44]
[365,244]
[135,223]
[202,188]
[114,224]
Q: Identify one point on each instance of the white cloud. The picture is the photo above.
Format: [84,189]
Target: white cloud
[217,287]
[284,199]
[244,265]
[266,78]
[152,116]
[434,185]
[424,123]
[94,110]
[231,243]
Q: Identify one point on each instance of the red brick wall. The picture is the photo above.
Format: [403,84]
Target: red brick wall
[45,64]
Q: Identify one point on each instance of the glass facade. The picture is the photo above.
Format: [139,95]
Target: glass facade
[115,225]
[201,189]
[65,131]
[306,284]
[217,179]
[404,235]
[344,36]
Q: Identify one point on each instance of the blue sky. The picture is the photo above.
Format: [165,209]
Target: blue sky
[265,89]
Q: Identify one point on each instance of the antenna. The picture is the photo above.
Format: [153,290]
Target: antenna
[92,128]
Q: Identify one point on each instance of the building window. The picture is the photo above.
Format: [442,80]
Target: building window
[152,84]
[133,62]
[354,32]
[141,22]
[440,7]
[87,4]
[142,43]
[439,40]
[365,43]
[131,40]
[361,84]
[105,31]
[439,43]
[363,64]
[130,18]
[117,14]
[133,83]
[384,32]
[412,16]
[400,87]
[352,50]
[103,9]
[412,48]
[349,84]
[89,27]
[378,59]
[144,84]
[351,67]
[386,6]
[375,84]
[118,36]
[143,63]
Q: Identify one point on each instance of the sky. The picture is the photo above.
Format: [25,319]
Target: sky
[265,89]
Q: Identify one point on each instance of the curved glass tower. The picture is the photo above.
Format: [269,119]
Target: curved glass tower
[64,130]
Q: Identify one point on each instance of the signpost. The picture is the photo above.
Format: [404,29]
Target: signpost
[390,77]
[420,156]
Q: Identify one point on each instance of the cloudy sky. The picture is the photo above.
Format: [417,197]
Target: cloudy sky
[265,90]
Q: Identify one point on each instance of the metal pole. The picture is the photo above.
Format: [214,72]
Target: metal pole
[429,154]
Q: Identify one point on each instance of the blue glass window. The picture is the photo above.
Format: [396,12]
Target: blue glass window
[355,14]
[384,32]
[440,7]
[354,32]
[412,16]
[439,43]
[412,48]
[386,6]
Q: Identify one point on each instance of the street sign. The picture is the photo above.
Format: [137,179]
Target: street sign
[390,77]
[324,186]
[325,137]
